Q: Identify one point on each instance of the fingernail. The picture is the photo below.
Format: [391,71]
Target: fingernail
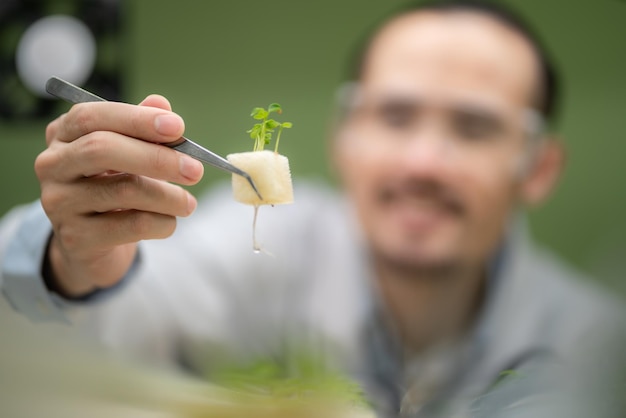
[190,168]
[192,203]
[169,125]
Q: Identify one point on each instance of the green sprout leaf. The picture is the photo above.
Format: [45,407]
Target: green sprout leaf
[271,124]
[275,107]
[259,113]
[255,131]
[286,124]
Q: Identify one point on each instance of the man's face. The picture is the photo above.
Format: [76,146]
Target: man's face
[432,150]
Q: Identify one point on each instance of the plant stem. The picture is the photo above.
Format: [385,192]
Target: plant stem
[262,136]
[280,129]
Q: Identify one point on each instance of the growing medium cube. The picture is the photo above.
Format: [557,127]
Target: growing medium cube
[270,173]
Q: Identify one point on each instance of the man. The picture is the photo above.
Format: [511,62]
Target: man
[421,284]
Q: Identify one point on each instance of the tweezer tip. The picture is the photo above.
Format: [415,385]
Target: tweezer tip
[253,186]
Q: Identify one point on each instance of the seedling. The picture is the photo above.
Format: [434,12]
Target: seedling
[262,132]
[269,170]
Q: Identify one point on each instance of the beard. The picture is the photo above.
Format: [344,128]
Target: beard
[418,268]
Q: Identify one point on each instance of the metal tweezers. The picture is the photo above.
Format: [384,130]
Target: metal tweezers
[73,94]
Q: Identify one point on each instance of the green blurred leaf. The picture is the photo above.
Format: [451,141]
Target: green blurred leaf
[293,375]
[255,131]
[271,124]
[286,124]
[259,113]
[275,107]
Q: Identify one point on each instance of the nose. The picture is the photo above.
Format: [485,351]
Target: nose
[427,153]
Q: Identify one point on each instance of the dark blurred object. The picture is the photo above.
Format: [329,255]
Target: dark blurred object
[81,38]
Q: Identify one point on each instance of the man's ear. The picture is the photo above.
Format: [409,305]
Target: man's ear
[544,173]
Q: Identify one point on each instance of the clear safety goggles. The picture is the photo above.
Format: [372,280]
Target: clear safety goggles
[461,119]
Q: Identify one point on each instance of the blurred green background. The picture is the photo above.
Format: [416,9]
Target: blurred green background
[217,60]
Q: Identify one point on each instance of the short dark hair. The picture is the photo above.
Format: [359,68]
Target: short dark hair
[549,83]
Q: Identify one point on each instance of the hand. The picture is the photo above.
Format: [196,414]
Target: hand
[105,186]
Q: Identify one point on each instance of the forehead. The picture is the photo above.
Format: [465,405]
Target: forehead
[452,53]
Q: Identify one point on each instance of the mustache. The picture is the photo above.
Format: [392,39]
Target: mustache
[426,189]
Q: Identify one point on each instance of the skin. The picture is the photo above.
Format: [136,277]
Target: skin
[434,211]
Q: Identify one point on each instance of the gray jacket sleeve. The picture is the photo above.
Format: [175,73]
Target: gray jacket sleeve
[24,234]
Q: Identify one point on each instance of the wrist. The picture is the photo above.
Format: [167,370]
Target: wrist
[53,272]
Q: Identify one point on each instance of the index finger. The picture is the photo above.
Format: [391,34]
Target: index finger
[142,122]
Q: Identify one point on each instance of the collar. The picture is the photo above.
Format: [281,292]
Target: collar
[491,346]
